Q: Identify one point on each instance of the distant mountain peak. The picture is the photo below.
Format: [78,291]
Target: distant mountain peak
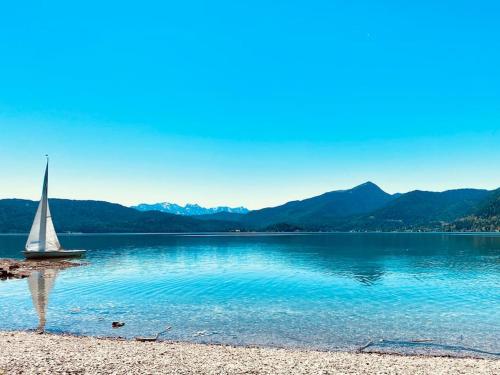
[190,209]
[367,185]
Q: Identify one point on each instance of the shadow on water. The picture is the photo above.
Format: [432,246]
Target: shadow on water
[40,285]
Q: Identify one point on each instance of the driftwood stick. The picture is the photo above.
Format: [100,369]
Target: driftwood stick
[143,339]
[369,343]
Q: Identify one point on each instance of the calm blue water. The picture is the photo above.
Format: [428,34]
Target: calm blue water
[327,291]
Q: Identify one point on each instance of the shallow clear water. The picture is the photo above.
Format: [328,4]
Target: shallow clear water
[327,291]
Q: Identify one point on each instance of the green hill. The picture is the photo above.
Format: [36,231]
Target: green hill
[485,219]
[16,216]
[491,206]
[320,211]
[424,210]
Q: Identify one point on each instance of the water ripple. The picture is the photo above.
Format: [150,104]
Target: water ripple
[325,291]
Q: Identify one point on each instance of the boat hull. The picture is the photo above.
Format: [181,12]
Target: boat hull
[53,254]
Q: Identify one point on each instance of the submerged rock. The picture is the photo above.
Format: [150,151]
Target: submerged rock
[117,324]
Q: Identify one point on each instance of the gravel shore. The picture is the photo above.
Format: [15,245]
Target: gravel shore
[31,353]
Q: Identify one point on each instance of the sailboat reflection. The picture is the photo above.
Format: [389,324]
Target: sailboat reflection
[40,284]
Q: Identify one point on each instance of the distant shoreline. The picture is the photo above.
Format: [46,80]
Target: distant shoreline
[250,234]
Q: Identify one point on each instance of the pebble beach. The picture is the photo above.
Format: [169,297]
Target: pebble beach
[32,353]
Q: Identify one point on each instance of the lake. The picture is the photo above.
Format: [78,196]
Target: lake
[324,291]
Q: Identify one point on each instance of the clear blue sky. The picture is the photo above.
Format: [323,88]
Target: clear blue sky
[247,102]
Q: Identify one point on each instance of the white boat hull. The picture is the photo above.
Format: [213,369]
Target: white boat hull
[53,254]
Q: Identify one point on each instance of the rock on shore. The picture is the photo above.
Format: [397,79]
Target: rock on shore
[18,269]
[29,353]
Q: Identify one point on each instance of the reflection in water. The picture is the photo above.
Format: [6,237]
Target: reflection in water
[40,284]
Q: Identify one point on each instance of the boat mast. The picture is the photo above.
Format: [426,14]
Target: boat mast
[43,217]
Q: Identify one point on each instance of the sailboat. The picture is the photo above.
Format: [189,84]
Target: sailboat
[42,241]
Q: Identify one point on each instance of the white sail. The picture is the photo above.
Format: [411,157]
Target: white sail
[42,235]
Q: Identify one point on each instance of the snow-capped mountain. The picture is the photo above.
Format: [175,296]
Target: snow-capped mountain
[188,210]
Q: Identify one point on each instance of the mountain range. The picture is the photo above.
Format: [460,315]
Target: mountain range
[86,216]
[363,208]
[189,209]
